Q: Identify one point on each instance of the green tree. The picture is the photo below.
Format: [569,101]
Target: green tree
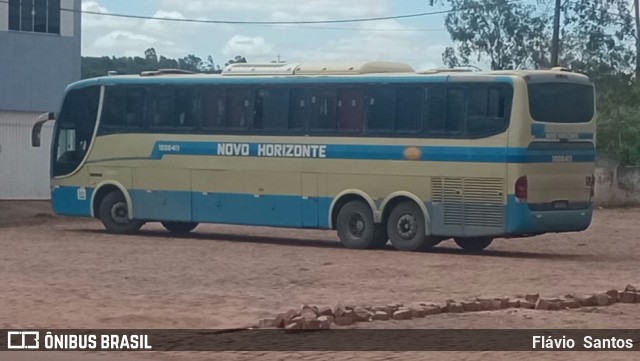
[508,34]
[236,60]
[597,37]
[151,55]
[191,63]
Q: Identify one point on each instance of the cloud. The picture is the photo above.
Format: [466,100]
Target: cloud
[379,40]
[248,46]
[90,21]
[257,9]
[386,40]
[128,43]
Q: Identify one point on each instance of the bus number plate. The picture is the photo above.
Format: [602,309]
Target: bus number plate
[562,158]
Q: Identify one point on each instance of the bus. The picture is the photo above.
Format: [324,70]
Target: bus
[375,150]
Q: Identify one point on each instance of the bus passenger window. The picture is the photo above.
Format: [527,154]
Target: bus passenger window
[187,108]
[114,108]
[409,106]
[160,107]
[497,102]
[381,109]
[271,107]
[133,112]
[323,105]
[350,110]
[238,108]
[486,110]
[455,111]
[436,104]
[214,108]
[298,105]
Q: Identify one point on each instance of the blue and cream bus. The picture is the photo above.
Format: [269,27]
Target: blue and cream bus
[373,150]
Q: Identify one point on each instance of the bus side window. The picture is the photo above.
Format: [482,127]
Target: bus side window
[271,108]
[134,106]
[239,110]
[160,107]
[350,110]
[298,109]
[486,110]
[323,110]
[114,109]
[436,109]
[188,108]
[214,108]
[381,109]
[456,109]
[409,109]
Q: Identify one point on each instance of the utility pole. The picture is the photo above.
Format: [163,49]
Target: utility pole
[555,45]
[637,13]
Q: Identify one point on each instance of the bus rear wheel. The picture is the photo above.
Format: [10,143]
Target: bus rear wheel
[473,244]
[406,228]
[357,229]
[114,215]
[179,227]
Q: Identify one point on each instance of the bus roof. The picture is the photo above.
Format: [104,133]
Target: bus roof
[319,72]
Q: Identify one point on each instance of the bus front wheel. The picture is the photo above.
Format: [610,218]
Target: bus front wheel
[406,228]
[473,244]
[179,227]
[114,215]
[356,227]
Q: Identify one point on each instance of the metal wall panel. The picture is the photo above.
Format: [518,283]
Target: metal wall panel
[35,68]
[24,170]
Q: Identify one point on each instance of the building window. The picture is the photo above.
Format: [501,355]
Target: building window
[38,16]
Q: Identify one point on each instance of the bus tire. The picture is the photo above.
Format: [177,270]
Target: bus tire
[406,228]
[180,227]
[473,244]
[114,215]
[356,227]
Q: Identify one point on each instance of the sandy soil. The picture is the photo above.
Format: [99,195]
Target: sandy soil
[67,273]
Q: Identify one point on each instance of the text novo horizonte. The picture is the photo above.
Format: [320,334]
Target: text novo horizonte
[272,150]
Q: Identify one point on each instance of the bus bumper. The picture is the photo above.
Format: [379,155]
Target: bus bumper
[522,220]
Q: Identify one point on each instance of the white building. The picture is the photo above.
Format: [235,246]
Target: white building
[39,57]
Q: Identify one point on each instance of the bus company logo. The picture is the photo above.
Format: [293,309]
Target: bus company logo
[23,340]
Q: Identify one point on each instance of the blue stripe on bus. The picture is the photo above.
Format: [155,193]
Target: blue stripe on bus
[395,152]
[521,220]
[233,208]
[264,210]
[291,211]
[67,201]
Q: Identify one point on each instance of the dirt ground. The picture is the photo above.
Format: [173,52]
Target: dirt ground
[67,273]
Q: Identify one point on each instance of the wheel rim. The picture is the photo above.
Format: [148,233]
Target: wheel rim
[119,213]
[407,226]
[356,225]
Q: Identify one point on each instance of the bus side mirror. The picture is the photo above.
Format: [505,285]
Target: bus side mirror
[36,132]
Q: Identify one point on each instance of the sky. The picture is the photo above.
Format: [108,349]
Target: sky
[419,42]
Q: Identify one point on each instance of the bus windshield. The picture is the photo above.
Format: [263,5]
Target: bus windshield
[555,102]
[74,129]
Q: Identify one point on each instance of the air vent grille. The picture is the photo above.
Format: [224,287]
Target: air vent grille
[470,201]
